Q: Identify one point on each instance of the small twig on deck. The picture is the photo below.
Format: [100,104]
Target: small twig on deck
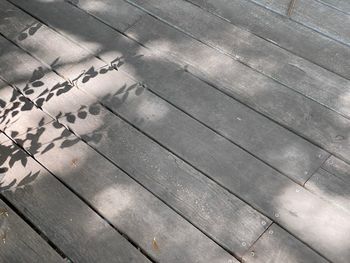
[291,7]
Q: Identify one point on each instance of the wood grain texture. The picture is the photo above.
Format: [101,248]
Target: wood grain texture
[295,72]
[305,221]
[332,182]
[141,216]
[261,93]
[233,211]
[341,5]
[285,151]
[276,245]
[189,192]
[337,167]
[66,221]
[20,243]
[264,188]
[283,32]
[127,205]
[315,15]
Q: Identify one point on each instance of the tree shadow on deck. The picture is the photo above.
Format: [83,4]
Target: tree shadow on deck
[107,48]
[15,108]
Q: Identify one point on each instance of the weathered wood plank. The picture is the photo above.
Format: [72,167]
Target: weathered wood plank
[130,154]
[314,15]
[285,151]
[262,94]
[332,182]
[341,5]
[183,191]
[337,167]
[307,78]
[123,202]
[118,13]
[276,245]
[304,117]
[68,222]
[330,188]
[292,206]
[217,200]
[277,188]
[19,242]
[283,32]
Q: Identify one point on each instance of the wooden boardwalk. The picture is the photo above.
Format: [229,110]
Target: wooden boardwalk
[175,131]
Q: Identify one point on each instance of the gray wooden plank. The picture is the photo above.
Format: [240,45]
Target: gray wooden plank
[285,151]
[123,202]
[291,205]
[341,5]
[243,186]
[118,13]
[305,114]
[276,245]
[314,15]
[330,188]
[126,156]
[68,222]
[245,224]
[337,167]
[307,78]
[283,32]
[20,243]
[281,104]
[332,182]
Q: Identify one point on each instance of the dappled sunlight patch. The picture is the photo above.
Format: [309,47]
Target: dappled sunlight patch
[93,5]
[338,199]
[152,110]
[114,200]
[307,216]
[288,153]
[163,45]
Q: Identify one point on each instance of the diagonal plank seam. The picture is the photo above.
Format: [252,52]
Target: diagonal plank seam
[86,202]
[332,6]
[272,222]
[198,74]
[223,91]
[299,23]
[30,223]
[320,167]
[222,52]
[262,37]
[113,163]
[133,127]
[160,96]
